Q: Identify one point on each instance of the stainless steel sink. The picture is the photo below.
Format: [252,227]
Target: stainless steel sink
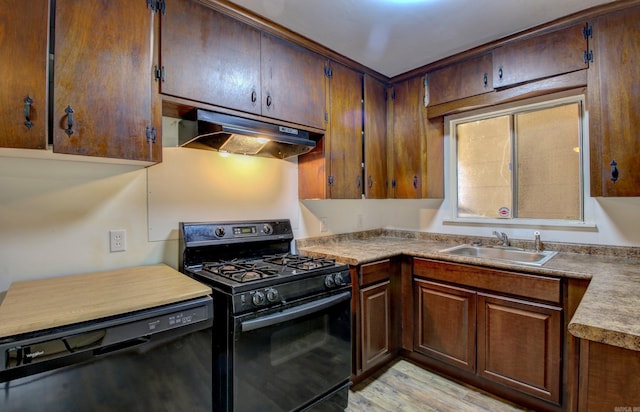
[515,255]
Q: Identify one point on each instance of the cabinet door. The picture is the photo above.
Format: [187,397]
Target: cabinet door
[209,57]
[519,345]
[614,93]
[376,324]
[408,135]
[344,133]
[293,83]
[375,138]
[103,73]
[465,79]
[445,319]
[24,31]
[541,56]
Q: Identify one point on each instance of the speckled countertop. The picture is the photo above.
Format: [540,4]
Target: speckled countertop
[609,311]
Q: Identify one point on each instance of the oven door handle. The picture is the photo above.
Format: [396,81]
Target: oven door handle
[295,312]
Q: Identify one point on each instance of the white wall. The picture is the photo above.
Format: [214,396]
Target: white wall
[55,216]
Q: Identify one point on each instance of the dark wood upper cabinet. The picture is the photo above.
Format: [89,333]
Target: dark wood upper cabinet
[293,83]
[459,80]
[613,98]
[210,57]
[408,134]
[345,133]
[538,57]
[417,144]
[375,138]
[24,28]
[333,170]
[105,100]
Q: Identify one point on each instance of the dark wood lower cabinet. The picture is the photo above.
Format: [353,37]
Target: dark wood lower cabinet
[519,345]
[498,330]
[376,329]
[446,323]
[609,378]
[377,318]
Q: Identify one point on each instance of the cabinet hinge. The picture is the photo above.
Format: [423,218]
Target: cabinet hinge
[425,82]
[330,180]
[158,6]
[159,73]
[328,71]
[151,134]
[587,31]
[588,56]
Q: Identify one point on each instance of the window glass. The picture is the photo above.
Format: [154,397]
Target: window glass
[522,163]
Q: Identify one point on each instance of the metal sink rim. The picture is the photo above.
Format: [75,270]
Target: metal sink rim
[501,253]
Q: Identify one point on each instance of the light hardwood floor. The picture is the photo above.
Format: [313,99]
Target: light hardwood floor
[404,386]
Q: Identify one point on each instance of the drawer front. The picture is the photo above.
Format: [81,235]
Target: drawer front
[520,284]
[375,272]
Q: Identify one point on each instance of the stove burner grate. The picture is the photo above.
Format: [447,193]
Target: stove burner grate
[239,271]
[300,262]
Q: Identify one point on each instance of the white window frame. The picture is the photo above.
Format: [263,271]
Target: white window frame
[450,123]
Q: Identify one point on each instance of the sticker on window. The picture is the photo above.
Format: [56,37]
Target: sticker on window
[504,212]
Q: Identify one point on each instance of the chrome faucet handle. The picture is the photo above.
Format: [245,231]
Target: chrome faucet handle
[502,237]
[538,243]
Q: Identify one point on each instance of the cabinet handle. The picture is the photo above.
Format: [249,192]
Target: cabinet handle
[486,80]
[358,181]
[69,129]
[370,181]
[614,171]
[415,182]
[269,101]
[254,96]
[28,101]
[500,72]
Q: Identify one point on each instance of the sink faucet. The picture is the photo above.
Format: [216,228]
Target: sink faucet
[538,243]
[502,237]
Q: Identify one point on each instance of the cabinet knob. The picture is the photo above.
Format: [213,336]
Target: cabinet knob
[500,72]
[269,101]
[370,181]
[415,182]
[254,97]
[614,171]
[28,101]
[485,79]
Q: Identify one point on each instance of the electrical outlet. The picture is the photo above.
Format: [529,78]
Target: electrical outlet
[323,224]
[118,240]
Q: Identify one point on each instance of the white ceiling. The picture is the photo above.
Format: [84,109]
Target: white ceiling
[395,36]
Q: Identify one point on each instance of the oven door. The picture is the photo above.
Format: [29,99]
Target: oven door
[291,358]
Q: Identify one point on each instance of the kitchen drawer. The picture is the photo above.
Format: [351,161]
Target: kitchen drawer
[513,283]
[375,272]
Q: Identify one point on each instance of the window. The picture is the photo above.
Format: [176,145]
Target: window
[519,163]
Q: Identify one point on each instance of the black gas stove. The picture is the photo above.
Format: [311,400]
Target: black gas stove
[252,261]
[282,321]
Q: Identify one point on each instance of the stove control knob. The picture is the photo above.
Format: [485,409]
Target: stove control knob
[329,281]
[272,295]
[267,229]
[219,232]
[258,299]
[339,279]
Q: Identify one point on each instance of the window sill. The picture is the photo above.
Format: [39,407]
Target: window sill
[524,223]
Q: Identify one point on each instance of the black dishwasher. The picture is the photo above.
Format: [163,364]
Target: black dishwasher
[157,359]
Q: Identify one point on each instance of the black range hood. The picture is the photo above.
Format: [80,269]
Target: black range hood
[202,129]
